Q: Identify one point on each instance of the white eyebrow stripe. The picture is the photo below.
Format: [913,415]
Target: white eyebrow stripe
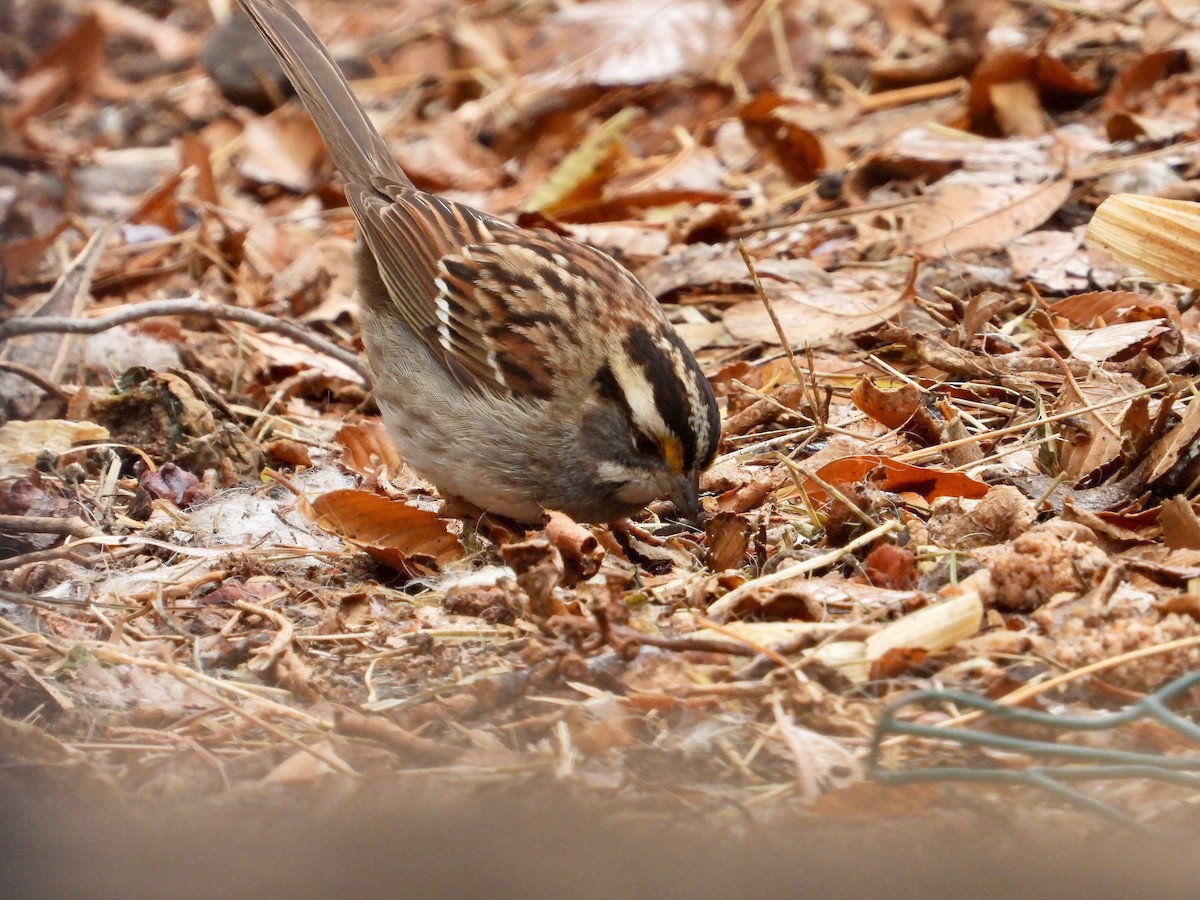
[639,396]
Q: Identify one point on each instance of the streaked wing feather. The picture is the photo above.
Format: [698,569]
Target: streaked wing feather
[463,282]
[408,235]
[407,261]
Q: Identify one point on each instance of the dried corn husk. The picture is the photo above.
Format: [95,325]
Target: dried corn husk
[934,628]
[1156,236]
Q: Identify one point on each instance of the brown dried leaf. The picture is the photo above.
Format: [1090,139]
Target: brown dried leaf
[1167,450]
[798,150]
[767,410]
[582,174]
[630,205]
[727,541]
[1052,260]
[720,265]
[71,65]
[1096,439]
[897,661]
[581,552]
[931,154]
[1007,87]
[410,540]
[1004,514]
[289,452]
[170,482]
[808,599]
[291,672]
[22,442]
[1134,81]
[813,313]
[283,352]
[1183,604]
[27,497]
[1127,95]
[1099,344]
[368,448]
[283,148]
[1180,524]
[1106,307]
[20,257]
[889,566]
[194,155]
[893,408]
[963,214]
[752,494]
[1000,68]
[895,476]
[160,206]
[446,155]
[1131,127]
[319,284]
[539,567]
[1017,106]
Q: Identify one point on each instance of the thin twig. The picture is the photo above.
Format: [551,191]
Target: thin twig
[914,456]
[69,525]
[36,378]
[809,387]
[72,552]
[684,643]
[335,763]
[842,213]
[185,306]
[265,657]
[829,489]
[759,649]
[723,606]
[762,295]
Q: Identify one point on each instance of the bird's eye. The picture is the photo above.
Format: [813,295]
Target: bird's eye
[644,444]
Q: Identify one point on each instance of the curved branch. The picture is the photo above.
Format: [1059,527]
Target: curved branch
[185,307]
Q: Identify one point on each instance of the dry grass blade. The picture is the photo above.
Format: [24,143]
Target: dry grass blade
[583,172]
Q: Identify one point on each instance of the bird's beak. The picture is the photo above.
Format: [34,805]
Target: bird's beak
[684,492]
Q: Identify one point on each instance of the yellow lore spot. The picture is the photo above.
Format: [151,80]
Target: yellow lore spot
[672,452]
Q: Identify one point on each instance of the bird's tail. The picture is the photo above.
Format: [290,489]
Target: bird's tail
[356,147]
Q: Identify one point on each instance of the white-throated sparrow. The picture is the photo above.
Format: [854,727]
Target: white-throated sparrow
[516,369]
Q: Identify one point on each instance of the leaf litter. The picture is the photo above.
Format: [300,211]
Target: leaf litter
[958,448]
